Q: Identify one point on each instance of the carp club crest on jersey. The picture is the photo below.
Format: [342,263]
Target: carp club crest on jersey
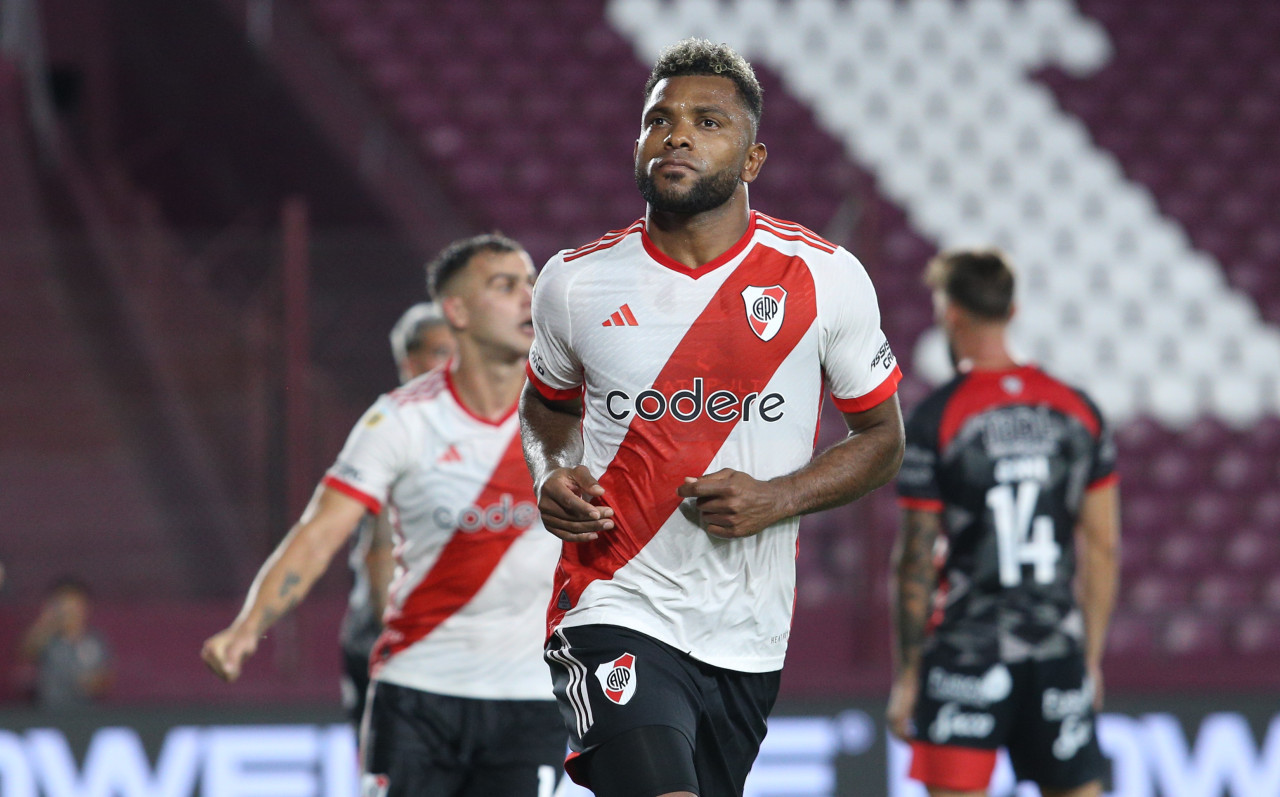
[618,678]
[765,307]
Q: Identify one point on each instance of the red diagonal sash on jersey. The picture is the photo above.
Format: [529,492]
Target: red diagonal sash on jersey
[464,565]
[654,457]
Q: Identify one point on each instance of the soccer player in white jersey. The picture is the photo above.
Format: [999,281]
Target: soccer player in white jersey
[420,342]
[461,702]
[676,379]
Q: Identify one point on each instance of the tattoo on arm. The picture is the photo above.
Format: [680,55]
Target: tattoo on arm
[290,581]
[915,580]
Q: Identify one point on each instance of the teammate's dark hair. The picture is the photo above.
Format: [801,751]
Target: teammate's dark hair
[458,254]
[978,280]
[701,57]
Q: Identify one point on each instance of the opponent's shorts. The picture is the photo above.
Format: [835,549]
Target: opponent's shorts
[418,743]
[1042,711]
[627,698]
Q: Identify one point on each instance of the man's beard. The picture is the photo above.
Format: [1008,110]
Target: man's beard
[708,193]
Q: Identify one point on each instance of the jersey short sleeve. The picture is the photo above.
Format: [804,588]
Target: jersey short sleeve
[1102,468]
[917,483]
[857,361]
[377,451]
[553,367]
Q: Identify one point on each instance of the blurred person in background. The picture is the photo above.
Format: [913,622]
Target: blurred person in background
[72,661]
[461,703]
[1009,482]
[420,342]
[676,380]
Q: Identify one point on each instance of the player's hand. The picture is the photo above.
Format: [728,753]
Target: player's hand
[733,504]
[226,651]
[564,499]
[902,705]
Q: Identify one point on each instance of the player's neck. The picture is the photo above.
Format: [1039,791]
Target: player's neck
[983,350]
[486,386]
[693,241]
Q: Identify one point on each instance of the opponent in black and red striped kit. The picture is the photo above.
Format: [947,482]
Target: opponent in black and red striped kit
[1009,467]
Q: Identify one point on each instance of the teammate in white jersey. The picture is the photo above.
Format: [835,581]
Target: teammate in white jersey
[676,379]
[461,702]
[420,342]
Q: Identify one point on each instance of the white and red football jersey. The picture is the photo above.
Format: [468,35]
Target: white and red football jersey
[474,563]
[684,372]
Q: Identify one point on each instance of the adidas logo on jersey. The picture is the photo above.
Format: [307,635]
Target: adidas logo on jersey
[622,317]
[451,454]
[690,405]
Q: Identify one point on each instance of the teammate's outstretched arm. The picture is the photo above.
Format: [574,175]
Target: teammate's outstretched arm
[1098,538]
[285,578]
[734,504]
[911,585]
[551,434]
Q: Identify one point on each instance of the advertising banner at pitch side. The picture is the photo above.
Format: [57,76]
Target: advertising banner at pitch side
[1178,747]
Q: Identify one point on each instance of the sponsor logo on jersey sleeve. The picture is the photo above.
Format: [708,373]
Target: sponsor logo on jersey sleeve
[884,358]
[618,678]
[347,471]
[535,360]
[765,309]
[374,418]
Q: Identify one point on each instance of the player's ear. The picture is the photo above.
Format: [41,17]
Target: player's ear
[455,312]
[952,316]
[756,155]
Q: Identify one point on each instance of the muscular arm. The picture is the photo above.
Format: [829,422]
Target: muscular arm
[733,504]
[1098,538]
[912,582]
[551,434]
[285,578]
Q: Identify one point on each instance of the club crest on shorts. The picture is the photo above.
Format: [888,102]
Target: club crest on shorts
[765,308]
[618,678]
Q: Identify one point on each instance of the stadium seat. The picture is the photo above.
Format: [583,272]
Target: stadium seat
[1257,634]
[1188,634]
[1224,594]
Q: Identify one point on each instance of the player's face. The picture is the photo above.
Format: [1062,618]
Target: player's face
[495,301]
[696,145]
[435,346]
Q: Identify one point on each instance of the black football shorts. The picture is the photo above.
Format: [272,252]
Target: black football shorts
[645,719]
[1042,711]
[418,743]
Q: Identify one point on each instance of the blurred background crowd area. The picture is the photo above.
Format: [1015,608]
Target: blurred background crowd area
[212,212]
